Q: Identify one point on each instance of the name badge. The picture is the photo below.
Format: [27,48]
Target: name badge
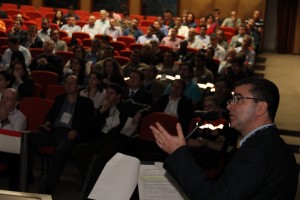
[65,118]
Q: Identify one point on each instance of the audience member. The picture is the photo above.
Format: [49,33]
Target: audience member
[168,66]
[168,19]
[183,54]
[13,46]
[172,40]
[44,33]
[148,36]
[157,32]
[211,63]
[32,40]
[233,21]
[176,104]
[190,20]
[192,90]
[246,48]
[237,40]
[94,89]
[48,60]
[202,35]
[151,84]
[220,52]
[70,13]
[231,54]
[211,25]
[133,30]
[103,22]
[66,124]
[77,68]
[164,28]
[59,45]
[201,73]
[218,19]
[91,28]
[134,63]
[17,30]
[135,90]
[21,80]
[58,18]
[222,41]
[148,55]
[94,54]
[195,42]
[5,79]
[71,26]
[113,30]
[21,25]
[111,73]
[182,29]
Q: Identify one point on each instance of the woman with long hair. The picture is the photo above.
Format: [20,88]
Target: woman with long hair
[112,73]
[94,89]
[21,80]
[58,18]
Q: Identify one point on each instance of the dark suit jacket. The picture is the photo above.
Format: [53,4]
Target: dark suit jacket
[184,110]
[263,168]
[82,116]
[141,96]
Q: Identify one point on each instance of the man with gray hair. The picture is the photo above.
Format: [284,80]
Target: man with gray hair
[103,22]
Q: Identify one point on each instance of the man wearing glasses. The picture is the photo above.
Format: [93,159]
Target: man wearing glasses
[263,167]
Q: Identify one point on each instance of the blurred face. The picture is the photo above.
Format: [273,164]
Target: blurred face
[17,25]
[209,105]
[150,31]
[93,81]
[109,68]
[178,21]
[135,58]
[202,31]
[209,20]
[55,35]
[49,46]
[19,16]
[112,23]
[176,89]
[190,17]
[216,13]
[242,31]
[13,47]
[184,72]
[167,16]
[45,25]
[58,14]
[173,32]
[134,81]
[168,57]
[149,73]
[160,19]
[192,33]
[256,14]
[3,82]
[219,34]
[233,15]
[221,89]
[251,23]
[9,100]
[32,32]
[71,86]
[134,23]
[111,97]
[75,66]
[103,15]
[156,25]
[94,46]
[213,41]
[78,53]
[92,20]
[246,41]
[18,69]
[71,21]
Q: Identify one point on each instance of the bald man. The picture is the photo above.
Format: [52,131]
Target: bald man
[91,28]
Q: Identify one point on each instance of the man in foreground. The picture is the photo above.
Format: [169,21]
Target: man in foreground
[263,167]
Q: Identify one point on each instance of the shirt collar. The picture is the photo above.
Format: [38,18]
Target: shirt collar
[253,132]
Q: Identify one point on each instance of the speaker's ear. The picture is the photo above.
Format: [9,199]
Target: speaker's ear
[262,107]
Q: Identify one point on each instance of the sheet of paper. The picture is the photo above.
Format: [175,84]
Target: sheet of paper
[10,144]
[155,184]
[129,127]
[118,178]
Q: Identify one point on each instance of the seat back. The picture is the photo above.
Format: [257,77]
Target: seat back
[167,121]
[2,34]
[135,46]
[62,34]
[53,91]
[36,51]
[33,14]
[35,109]
[121,60]
[80,35]
[126,39]
[146,23]
[37,91]
[126,53]
[44,78]
[6,6]
[118,46]
[65,55]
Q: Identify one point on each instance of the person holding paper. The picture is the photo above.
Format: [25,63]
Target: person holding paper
[14,120]
[114,123]
[263,167]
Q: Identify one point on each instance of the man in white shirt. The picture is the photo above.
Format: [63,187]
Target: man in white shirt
[44,33]
[182,30]
[202,36]
[148,36]
[91,28]
[71,26]
[103,22]
[14,45]
[114,31]
[194,42]
[220,52]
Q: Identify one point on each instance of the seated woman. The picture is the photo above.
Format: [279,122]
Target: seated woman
[209,144]
[112,73]
[21,80]
[77,68]
[93,90]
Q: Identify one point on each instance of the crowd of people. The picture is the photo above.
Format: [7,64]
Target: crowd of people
[101,96]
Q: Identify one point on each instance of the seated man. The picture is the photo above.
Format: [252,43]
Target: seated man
[109,137]
[91,28]
[44,33]
[71,26]
[176,104]
[67,123]
[48,60]
[32,40]
[148,36]
[171,40]
[11,119]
